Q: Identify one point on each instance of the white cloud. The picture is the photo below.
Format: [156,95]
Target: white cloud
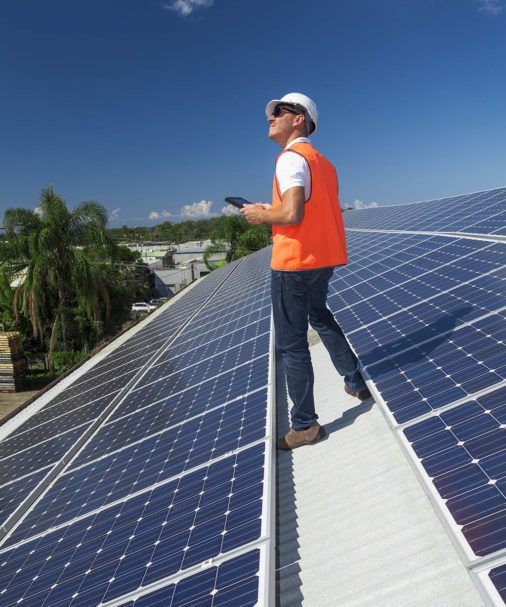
[491,7]
[115,214]
[38,211]
[360,204]
[197,210]
[164,214]
[186,7]
[228,209]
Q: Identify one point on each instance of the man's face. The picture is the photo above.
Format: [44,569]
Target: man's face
[281,124]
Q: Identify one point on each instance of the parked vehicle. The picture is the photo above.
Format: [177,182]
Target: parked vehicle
[155,302]
[142,307]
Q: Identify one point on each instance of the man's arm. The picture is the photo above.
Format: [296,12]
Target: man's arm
[289,213]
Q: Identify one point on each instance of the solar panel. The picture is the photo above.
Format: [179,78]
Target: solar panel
[178,476]
[39,456]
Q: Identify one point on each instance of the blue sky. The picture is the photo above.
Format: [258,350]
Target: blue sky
[155,108]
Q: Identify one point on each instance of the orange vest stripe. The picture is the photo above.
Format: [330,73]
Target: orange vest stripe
[318,241]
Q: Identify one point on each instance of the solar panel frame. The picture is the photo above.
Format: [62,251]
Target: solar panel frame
[492,588]
[493,581]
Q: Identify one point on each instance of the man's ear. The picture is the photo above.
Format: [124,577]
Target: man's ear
[300,122]
[300,119]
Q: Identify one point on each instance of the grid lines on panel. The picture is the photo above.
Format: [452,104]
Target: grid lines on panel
[233,583]
[372,295]
[433,336]
[38,456]
[141,540]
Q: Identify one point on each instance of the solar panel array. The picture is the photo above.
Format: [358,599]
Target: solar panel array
[148,480]
[35,450]
[154,467]
[477,213]
[424,308]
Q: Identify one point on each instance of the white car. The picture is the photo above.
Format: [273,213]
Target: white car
[142,307]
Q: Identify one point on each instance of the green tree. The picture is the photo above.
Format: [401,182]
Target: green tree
[256,237]
[242,237]
[50,245]
[7,319]
[121,278]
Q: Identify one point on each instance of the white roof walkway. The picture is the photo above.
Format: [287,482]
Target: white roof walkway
[355,528]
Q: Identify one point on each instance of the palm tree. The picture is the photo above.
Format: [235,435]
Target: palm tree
[233,226]
[49,245]
[216,247]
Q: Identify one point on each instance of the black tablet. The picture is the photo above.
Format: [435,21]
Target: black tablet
[237,201]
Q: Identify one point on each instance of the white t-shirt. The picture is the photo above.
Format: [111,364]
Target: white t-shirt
[293,170]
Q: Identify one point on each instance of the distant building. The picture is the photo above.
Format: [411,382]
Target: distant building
[177,268]
[152,252]
[169,281]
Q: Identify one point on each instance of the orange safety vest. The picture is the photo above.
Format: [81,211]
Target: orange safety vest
[318,241]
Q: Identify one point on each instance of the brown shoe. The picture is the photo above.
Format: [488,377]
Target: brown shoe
[296,438]
[363,394]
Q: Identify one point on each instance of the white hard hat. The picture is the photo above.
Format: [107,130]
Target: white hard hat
[296,99]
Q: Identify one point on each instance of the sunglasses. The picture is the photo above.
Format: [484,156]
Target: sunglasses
[279,110]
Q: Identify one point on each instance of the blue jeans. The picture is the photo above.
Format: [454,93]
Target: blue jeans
[296,297]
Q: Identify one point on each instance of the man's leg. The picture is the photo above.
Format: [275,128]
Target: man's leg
[290,306]
[322,320]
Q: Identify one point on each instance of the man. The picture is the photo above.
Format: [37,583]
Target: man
[308,241]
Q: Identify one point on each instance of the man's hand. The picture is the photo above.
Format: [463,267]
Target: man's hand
[253,212]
